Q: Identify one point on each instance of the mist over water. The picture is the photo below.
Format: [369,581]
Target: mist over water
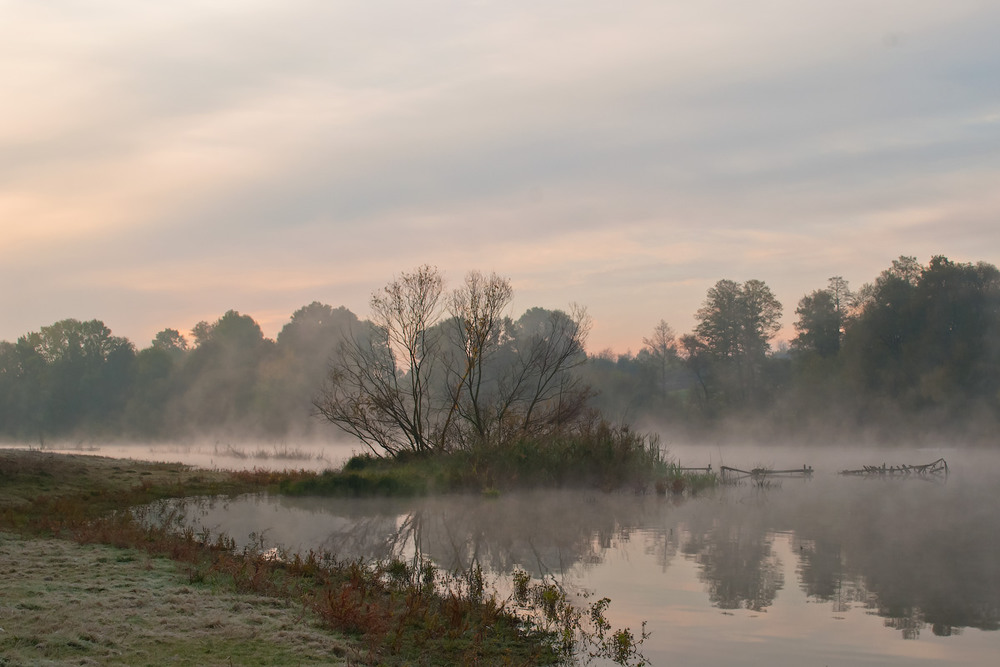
[218,454]
[824,570]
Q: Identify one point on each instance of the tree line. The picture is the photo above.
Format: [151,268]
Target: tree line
[913,354]
[916,349]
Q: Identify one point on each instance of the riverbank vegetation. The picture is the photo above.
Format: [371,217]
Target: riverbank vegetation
[380,612]
[598,456]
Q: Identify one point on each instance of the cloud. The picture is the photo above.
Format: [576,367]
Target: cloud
[189,159]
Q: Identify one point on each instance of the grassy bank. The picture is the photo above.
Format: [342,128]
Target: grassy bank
[69,599]
[67,603]
[603,457]
[72,529]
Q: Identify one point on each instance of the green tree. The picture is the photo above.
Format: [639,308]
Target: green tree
[75,376]
[700,363]
[152,391]
[957,349]
[819,325]
[11,391]
[313,331]
[220,378]
[735,325]
[885,321]
[929,340]
[627,387]
[170,341]
[294,376]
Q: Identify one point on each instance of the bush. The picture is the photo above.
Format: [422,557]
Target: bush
[598,454]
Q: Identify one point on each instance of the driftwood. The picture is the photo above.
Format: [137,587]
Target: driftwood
[760,473]
[939,468]
[707,469]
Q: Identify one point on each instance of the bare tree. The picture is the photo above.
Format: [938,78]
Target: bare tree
[378,388]
[538,394]
[414,382]
[662,347]
[840,292]
[478,332]
[698,360]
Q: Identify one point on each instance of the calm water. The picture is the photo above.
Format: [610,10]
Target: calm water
[831,570]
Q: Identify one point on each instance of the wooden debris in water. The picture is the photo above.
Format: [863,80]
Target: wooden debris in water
[729,473]
[938,468]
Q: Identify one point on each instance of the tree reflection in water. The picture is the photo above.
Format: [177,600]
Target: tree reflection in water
[544,533]
[918,555]
[740,568]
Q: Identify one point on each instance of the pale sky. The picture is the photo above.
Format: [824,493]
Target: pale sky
[164,162]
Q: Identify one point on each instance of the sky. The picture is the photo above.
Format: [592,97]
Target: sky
[163,163]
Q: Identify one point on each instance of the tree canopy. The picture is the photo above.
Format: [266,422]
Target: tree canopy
[435,369]
[735,326]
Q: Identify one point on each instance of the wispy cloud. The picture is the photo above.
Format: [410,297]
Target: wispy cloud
[161,163]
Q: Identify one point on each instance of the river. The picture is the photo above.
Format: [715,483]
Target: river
[824,570]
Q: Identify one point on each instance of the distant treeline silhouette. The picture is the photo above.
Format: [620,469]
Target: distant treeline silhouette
[914,353]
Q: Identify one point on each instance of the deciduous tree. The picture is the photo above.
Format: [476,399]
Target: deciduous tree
[419,382]
[662,349]
[735,325]
[819,325]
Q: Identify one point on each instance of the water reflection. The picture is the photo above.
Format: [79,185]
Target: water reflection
[544,533]
[920,556]
[739,568]
[916,555]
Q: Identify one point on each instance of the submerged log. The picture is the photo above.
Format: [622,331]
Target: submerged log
[804,471]
[706,469]
[939,467]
